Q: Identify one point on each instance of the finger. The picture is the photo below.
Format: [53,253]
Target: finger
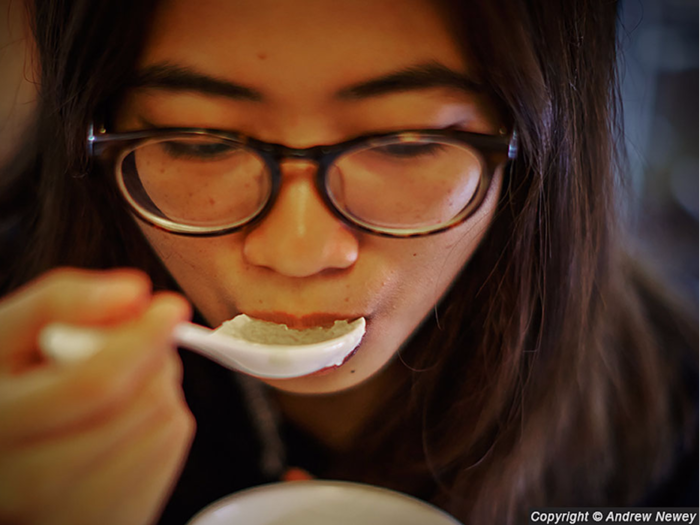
[70,296]
[56,399]
[147,495]
[43,470]
[131,488]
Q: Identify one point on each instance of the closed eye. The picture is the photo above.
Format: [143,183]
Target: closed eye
[407,150]
[198,150]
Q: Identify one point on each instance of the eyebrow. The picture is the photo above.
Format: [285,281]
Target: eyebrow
[179,78]
[413,78]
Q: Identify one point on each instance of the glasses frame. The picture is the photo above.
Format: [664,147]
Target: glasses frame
[115,147]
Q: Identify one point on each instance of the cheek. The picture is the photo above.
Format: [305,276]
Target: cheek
[427,271]
[202,267]
[435,261]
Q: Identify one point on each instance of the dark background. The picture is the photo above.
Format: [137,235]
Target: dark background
[659,74]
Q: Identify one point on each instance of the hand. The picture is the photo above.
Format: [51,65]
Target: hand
[101,441]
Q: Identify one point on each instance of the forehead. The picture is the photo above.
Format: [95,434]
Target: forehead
[302,43]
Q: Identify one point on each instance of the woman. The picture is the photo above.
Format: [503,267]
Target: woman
[514,356]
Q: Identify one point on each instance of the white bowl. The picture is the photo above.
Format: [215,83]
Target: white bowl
[318,502]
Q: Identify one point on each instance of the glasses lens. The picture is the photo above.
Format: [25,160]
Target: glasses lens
[196,181]
[415,185]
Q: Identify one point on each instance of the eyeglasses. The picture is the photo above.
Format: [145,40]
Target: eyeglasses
[204,182]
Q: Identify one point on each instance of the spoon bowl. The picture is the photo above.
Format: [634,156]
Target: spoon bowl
[273,361]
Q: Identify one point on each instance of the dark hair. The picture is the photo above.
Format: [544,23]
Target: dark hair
[59,215]
[552,373]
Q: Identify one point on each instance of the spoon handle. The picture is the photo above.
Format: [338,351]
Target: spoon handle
[65,343]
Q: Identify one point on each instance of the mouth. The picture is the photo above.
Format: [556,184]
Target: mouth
[305,321]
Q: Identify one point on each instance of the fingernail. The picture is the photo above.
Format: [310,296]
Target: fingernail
[123,289]
[171,307]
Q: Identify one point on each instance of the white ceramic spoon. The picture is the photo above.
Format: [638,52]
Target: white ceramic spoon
[235,345]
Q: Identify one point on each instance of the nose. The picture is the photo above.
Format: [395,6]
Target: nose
[300,237]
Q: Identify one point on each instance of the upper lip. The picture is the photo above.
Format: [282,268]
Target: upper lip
[301,321]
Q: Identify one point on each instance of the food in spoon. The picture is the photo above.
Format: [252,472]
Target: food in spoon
[270,333]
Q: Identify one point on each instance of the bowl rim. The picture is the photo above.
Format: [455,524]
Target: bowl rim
[394,494]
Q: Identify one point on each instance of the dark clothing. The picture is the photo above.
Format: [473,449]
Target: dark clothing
[225,454]
[227,450]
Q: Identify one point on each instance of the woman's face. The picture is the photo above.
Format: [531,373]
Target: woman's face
[300,264]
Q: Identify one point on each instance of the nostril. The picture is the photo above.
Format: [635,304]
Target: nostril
[300,237]
[301,255]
